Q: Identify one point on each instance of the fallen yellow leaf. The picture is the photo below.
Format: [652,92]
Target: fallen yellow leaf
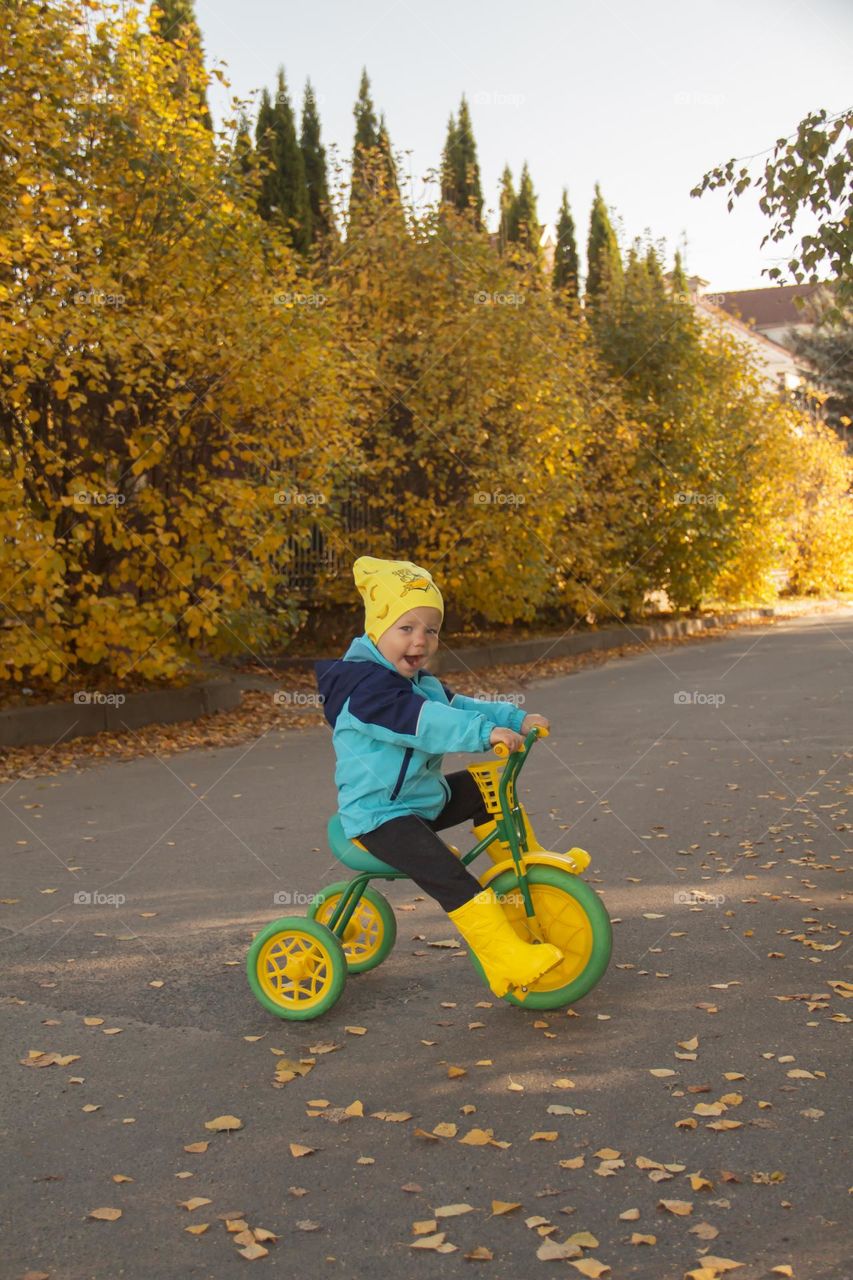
[223,1124]
[591,1267]
[253,1251]
[679,1207]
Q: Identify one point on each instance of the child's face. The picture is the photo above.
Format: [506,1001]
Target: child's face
[412,640]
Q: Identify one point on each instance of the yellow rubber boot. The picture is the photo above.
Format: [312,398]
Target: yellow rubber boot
[507,961]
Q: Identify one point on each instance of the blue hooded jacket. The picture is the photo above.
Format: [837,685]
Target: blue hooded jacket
[390,732]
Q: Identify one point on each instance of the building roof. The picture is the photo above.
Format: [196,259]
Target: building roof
[767,308]
[777,362]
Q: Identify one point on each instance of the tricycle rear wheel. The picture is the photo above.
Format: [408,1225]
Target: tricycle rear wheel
[372,928]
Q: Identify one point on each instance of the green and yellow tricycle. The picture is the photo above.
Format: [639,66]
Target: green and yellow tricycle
[298,965]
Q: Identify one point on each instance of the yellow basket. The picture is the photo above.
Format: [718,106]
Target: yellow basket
[487,777]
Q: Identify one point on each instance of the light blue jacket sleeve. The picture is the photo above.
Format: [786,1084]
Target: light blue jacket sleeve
[439,728]
[504,714]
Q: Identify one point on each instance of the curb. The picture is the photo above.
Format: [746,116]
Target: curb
[50,723]
[27,726]
[607,638]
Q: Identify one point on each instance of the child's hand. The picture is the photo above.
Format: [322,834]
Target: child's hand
[508,736]
[532,720]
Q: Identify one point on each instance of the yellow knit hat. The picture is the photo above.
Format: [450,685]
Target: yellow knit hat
[391,588]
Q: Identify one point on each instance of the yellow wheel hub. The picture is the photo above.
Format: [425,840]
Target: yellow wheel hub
[294,969]
[365,932]
[563,922]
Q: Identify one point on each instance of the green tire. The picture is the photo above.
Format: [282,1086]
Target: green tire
[317,962]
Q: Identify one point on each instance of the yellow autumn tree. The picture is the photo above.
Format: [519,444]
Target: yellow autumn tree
[471,423]
[158,376]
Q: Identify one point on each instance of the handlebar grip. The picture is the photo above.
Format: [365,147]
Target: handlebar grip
[501,750]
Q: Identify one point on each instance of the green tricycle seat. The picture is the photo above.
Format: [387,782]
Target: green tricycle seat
[352,855]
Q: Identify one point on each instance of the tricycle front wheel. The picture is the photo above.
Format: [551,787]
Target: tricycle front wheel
[572,916]
[296,968]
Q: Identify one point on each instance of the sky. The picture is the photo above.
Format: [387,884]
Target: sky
[642,99]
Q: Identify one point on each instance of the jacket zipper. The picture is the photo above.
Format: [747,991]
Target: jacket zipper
[401,775]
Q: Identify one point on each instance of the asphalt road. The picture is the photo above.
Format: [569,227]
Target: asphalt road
[720,832]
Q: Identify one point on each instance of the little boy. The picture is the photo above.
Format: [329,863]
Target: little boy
[392,722]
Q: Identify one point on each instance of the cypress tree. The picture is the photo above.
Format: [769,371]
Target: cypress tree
[177,23]
[295,205]
[604,264]
[364,145]
[506,208]
[449,187]
[389,165]
[243,144]
[374,171]
[314,161]
[269,198]
[524,220]
[469,194]
[566,253]
[678,280]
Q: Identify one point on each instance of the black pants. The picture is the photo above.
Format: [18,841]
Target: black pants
[410,844]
